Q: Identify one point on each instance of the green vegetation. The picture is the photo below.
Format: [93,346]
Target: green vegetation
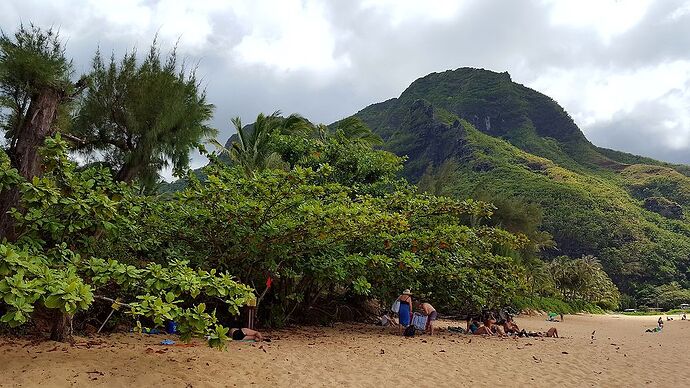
[475,133]
[314,222]
[556,305]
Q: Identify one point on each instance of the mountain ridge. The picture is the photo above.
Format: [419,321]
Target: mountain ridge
[512,141]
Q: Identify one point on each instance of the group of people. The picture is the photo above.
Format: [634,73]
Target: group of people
[404,306]
[406,312]
[507,327]
[490,326]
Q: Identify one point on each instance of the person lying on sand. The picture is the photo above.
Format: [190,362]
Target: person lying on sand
[430,312]
[246,333]
[552,332]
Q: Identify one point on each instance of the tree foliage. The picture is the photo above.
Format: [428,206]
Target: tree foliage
[52,266]
[142,116]
[31,60]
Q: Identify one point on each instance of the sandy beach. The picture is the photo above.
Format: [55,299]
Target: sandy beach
[621,354]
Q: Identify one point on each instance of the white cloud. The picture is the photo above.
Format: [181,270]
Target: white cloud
[397,12]
[611,63]
[608,17]
[287,35]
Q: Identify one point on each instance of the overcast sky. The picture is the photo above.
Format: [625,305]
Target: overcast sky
[620,67]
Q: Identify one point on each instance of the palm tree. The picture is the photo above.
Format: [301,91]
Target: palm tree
[253,149]
[354,129]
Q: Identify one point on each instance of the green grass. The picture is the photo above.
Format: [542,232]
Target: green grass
[653,313]
[555,305]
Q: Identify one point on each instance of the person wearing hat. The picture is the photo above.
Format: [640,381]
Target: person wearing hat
[405,311]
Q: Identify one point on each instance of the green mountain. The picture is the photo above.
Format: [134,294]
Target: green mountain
[476,132]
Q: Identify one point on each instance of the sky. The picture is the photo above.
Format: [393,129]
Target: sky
[621,68]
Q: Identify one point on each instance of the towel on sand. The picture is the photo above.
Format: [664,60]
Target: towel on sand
[419,321]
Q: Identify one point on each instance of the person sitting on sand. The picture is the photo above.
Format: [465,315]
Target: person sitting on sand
[496,329]
[472,327]
[684,318]
[552,332]
[430,312]
[660,323]
[490,328]
[405,311]
[246,334]
[483,330]
[510,327]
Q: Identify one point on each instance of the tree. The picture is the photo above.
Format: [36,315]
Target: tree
[253,149]
[354,129]
[34,86]
[142,117]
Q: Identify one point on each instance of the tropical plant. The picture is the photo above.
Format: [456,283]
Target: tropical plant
[51,274]
[584,279]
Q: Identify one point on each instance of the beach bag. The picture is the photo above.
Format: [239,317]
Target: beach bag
[409,331]
[396,306]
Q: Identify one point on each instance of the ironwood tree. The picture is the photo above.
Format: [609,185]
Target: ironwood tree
[34,89]
[141,117]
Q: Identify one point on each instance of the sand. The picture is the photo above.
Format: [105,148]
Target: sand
[620,354]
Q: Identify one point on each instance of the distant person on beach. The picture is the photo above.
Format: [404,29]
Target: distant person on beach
[405,311]
[684,318]
[490,328]
[430,312]
[509,326]
[660,323]
[245,333]
[472,327]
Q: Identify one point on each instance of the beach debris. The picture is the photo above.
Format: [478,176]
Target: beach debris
[593,334]
[262,348]
[383,351]
[565,353]
[167,341]
[442,351]
[538,360]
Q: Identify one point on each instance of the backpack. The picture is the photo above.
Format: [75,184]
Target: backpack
[396,306]
[409,331]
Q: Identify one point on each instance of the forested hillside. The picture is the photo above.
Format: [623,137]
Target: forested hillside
[475,133]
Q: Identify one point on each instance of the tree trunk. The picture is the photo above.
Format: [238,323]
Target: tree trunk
[37,126]
[127,173]
[59,330]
